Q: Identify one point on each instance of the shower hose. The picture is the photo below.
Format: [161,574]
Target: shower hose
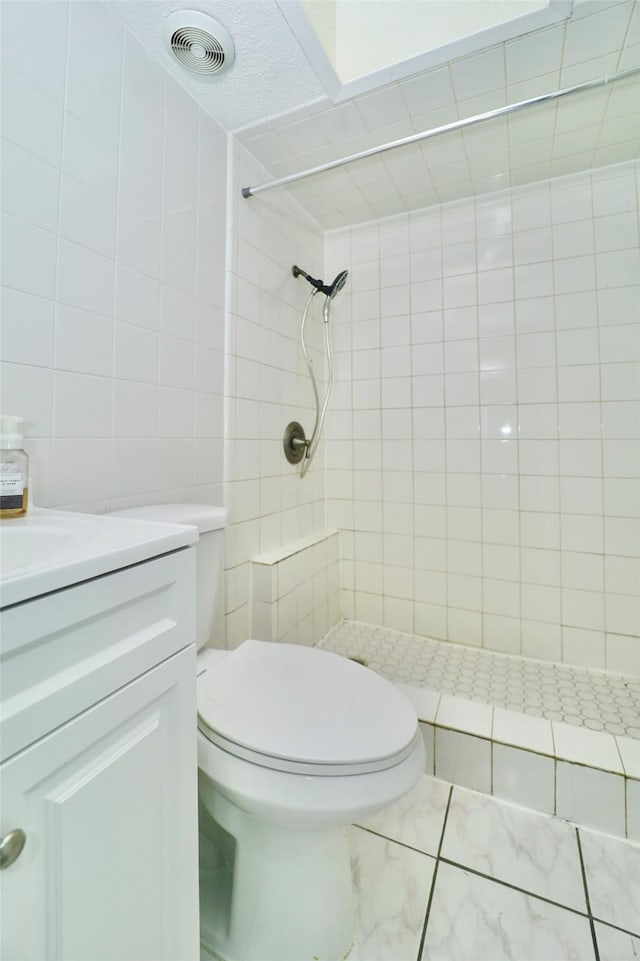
[312,443]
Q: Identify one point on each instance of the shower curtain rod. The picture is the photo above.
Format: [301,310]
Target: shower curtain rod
[445,128]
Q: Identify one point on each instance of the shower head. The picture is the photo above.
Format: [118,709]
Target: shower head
[338,283]
[329,290]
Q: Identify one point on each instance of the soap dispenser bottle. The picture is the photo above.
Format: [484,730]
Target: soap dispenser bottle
[14,469]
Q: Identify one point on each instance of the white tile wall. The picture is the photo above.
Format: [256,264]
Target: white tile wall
[524,777]
[464,759]
[488,418]
[592,797]
[268,386]
[296,590]
[633,809]
[113,264]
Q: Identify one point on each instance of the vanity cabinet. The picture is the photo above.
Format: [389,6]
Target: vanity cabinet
[98,736]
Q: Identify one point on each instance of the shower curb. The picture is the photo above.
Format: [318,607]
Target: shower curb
[583,776]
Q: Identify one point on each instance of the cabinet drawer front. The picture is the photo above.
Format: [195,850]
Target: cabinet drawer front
[63,652]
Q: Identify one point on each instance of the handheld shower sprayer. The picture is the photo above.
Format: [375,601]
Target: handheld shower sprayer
[296,447]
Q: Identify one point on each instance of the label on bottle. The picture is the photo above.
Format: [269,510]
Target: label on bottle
[12,484]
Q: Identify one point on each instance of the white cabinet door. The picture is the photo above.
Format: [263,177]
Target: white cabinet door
[108,803]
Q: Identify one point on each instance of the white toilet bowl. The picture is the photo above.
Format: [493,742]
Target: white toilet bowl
[294,744]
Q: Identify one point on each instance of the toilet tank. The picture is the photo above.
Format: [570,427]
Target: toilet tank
[211,522]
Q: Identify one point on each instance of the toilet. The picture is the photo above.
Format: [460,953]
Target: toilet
[294,744]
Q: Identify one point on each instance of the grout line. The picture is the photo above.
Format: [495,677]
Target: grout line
[616,927]
[586,896]
[491,759]
[433,881]
[401,844]
[515,887]
[488,877]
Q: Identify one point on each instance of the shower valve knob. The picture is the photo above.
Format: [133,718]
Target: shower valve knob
[294,442]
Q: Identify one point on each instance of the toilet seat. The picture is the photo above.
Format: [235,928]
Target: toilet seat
[305,767]
[349,720]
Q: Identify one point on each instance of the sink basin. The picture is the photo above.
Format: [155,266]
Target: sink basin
[25,542]
[47,550]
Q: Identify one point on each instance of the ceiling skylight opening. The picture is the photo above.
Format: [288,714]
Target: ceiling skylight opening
[359,45]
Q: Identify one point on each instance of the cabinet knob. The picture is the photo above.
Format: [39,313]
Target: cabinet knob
[11,846]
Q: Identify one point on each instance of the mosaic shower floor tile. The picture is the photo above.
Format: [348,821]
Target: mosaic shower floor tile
[596,700]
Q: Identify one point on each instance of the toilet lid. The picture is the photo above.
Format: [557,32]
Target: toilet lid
[306,706]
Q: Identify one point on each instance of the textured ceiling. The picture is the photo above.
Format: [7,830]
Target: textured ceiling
[270,75]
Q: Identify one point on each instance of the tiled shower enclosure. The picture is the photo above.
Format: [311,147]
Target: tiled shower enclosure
[482,461]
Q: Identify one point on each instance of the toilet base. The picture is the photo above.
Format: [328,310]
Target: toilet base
[270,893]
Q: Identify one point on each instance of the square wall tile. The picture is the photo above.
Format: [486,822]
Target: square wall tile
[591,797]
[264,625]
[28,258]
[428,736]
[27,335]
[94,81]
[86,279]
[522,731]
[524,777]
[580,745]
[633,809]
[30,187]
[28,389]
[463,715]
[87,218]
[80,470]
[464,760]
[90,158]
[424,700]
[82,405]
[30,118]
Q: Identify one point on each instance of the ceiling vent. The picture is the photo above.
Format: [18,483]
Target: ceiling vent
[199,42]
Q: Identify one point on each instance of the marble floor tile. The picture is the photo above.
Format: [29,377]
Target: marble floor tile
[416,819]
[514,893]
[616,945]
[532,851]
[473,918]
[612,869]
[392,886]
